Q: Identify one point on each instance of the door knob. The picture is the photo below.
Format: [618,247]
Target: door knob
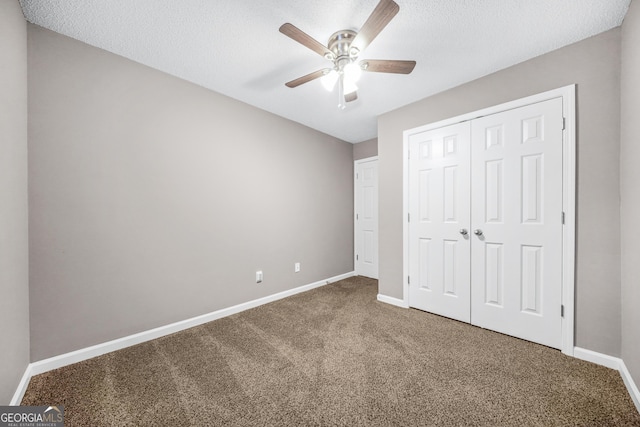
[477,232]
[464,231]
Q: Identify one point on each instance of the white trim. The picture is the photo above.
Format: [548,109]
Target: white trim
[567,93]
[366,160]
[22,387]
[355,205]
[569,179]
[405,218]
[597,358]
[613,363]
[632,388]
[393,301]
[76,356]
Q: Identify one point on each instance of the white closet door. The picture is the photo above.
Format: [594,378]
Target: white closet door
[438,228]
[367,219]
[516,198]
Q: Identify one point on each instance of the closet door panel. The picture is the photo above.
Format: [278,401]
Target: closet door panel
[516,199]
[439,209]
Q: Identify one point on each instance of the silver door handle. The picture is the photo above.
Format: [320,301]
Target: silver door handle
[464,231]
[477,232]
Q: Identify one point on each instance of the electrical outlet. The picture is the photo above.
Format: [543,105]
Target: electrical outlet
[296,267]
[259,276]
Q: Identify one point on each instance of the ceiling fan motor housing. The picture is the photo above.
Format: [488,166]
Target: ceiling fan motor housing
[340,45]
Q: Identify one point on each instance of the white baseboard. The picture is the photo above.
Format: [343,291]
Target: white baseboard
[613,363]
[597,358]
[22,387]
[393,301]
[76,356]
[631,385]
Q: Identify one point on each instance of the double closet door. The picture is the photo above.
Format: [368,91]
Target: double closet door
[485,229]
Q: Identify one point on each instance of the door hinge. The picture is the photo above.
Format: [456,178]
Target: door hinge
[408,280]
[562,218]
[408,217]
[561,310]
[357,217]
[564,123]
[356,257]
[357,176]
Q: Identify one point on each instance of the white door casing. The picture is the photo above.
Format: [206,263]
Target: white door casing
[439,208]
[366,217]
[537,270]
[516,199]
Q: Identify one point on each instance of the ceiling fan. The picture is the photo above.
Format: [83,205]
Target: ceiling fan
[343,49]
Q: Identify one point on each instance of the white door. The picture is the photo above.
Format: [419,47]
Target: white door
[366,189]
[485,227]
[439,221]
[516,199]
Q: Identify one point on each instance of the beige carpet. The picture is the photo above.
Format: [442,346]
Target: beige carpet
[335,356]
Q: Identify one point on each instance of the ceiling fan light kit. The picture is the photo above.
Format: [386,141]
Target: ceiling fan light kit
[329,79]
[343,49]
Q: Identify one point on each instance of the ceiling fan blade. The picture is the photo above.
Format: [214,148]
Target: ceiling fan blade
[305,39]
[307,78]
[351,96]
[380,17]
[387,66]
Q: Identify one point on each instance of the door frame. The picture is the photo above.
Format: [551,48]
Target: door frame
[568,95]
[356,163]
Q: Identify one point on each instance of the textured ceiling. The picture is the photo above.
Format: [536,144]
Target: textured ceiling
[234,46]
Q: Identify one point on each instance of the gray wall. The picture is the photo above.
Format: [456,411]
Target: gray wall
[14,263]
[594,65]
[365,149]
[629,190]
[153,200]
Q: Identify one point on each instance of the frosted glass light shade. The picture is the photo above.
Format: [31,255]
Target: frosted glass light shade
[352,72]
[329,80]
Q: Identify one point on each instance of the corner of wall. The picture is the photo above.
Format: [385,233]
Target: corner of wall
[629,196]
[14,274]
